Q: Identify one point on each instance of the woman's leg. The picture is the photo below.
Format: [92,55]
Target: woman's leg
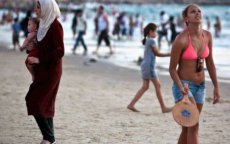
[183,136]
[138,95]
[157,86]
[46,127]
[192,135]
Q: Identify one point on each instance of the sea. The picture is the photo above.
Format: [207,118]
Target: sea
[128,51]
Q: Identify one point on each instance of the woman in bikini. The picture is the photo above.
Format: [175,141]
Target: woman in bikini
[190,50]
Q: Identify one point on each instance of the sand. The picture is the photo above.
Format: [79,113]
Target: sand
[91,106]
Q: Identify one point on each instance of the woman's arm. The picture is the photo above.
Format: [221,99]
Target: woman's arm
[212,70]
[176,51]
[55,48]
[58,43]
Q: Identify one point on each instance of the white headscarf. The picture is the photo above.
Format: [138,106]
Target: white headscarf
[49,12]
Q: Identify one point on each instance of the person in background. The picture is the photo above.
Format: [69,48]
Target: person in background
[96,24]
[3,18]
[103,29]
[173,29]
[81,28]
[148,68]
[164,30]
[15,35]
[124,25]
[41,97]
[180,23]
[116,27]
[74,24]
[217,27]
[131,26]
[208,23]
[24,23]
[139,23]
[190,50]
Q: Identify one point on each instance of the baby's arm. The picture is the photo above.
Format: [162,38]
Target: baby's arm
[28,39]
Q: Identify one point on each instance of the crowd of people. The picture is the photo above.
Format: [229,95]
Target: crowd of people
[125,24]
[122,27]
[45,47]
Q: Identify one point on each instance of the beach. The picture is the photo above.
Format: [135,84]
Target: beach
[91,106]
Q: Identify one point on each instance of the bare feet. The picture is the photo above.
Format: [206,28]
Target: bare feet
[132,108]
[167,110]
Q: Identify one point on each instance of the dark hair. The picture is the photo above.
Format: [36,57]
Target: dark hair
[35,21]
[162,13]
[185,11]
[171,18]
[16,19]
[101,7]
[28,13]
[78,11]
[149,27]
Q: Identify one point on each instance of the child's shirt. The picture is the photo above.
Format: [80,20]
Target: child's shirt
[149,57]
[16,28]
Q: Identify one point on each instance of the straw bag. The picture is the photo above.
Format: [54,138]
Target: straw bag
[185,112]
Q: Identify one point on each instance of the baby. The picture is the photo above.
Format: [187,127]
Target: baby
[30,43]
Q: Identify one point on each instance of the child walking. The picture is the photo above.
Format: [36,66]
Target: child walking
[148,68]
[30,43]
[16,30]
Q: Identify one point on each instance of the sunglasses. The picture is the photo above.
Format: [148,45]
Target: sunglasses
[199,64]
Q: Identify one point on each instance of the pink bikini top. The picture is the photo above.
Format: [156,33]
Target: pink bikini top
[190,53]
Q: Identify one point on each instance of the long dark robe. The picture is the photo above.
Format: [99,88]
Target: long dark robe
[40,99]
